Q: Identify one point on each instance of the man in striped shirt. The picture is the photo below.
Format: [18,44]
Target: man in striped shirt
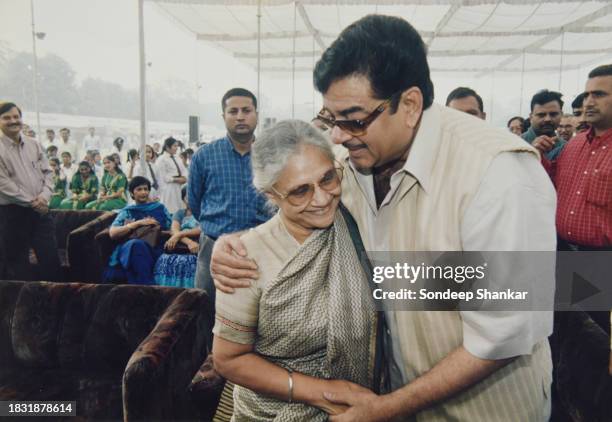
[25,188]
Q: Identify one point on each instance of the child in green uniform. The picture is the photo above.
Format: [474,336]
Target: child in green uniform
[112,189]
[59,184]
[84,187]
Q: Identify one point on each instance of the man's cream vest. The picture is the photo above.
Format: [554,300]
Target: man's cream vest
[431,221]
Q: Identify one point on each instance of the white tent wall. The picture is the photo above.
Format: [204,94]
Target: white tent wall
[483,44]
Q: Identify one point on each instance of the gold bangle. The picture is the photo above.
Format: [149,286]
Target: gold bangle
[290,385]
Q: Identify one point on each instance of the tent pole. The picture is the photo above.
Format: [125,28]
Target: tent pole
[259,58]
[35,76]
[561,59]
[314,110]
[143,84]
[490,116]
[293,61]
[522,84]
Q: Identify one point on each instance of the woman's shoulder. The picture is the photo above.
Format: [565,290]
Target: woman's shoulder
[269,242]
[261,232]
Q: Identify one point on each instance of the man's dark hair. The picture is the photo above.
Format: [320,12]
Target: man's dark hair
[545,96]
[604,70]
[4,107]
[138,181]
[169,142]
[118,140]
[132,154]
[66,153]
[238,92]
[577,103]
[519,118]
[51,148]
[64,129]
[463,92]
[386,50]
[50,130]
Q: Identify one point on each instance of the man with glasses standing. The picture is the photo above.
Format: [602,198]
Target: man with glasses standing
[220,187]
[421,177]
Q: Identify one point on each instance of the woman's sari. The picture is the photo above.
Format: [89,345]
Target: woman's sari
[80,186]
[178,270]
[317,317]
[59,191]
[111,185]
[130,256]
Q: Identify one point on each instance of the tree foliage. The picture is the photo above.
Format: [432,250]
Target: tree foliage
[59,92]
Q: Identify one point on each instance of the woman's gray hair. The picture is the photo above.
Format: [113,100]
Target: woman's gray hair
[276,145]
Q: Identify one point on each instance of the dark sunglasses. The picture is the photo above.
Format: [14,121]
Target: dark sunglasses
[357,127]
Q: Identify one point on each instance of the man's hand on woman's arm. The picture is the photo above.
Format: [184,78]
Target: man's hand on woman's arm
[452,375]
[229,264]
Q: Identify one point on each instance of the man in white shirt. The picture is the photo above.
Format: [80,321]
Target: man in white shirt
[68,168]
[421,177]
[91,141]
[50,140]
[66,144]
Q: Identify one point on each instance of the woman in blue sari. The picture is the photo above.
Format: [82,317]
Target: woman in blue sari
[174,269]
[134,259]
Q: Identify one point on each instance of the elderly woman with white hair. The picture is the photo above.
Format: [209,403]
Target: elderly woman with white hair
[308,325]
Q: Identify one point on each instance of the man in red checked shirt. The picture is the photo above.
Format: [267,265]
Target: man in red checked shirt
[582,174]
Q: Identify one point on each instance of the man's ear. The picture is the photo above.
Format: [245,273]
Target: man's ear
[411,106]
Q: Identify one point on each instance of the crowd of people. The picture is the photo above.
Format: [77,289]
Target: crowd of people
[274,230]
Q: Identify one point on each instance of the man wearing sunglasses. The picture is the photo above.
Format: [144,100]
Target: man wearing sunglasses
[421,177]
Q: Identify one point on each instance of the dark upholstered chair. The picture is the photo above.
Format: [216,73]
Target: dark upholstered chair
[582,387]
[85,262]
[75,231]
[120,352]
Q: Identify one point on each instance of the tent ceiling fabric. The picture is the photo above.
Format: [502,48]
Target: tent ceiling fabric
[462,35]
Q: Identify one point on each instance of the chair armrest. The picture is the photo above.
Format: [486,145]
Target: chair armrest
[581,366]
[86,262]
[105,245]
[68,220]
[159,372]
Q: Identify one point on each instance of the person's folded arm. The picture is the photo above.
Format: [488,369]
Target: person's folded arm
[185,234]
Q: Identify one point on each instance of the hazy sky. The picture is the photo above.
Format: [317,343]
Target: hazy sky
[99,38]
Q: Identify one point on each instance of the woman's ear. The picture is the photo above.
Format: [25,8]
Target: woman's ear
[272,198]
[411,106]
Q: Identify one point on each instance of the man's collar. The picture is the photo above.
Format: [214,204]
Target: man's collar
[9,141]
[233,147]
[422,153]
[590,135]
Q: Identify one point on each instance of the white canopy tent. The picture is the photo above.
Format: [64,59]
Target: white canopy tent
[476,37]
